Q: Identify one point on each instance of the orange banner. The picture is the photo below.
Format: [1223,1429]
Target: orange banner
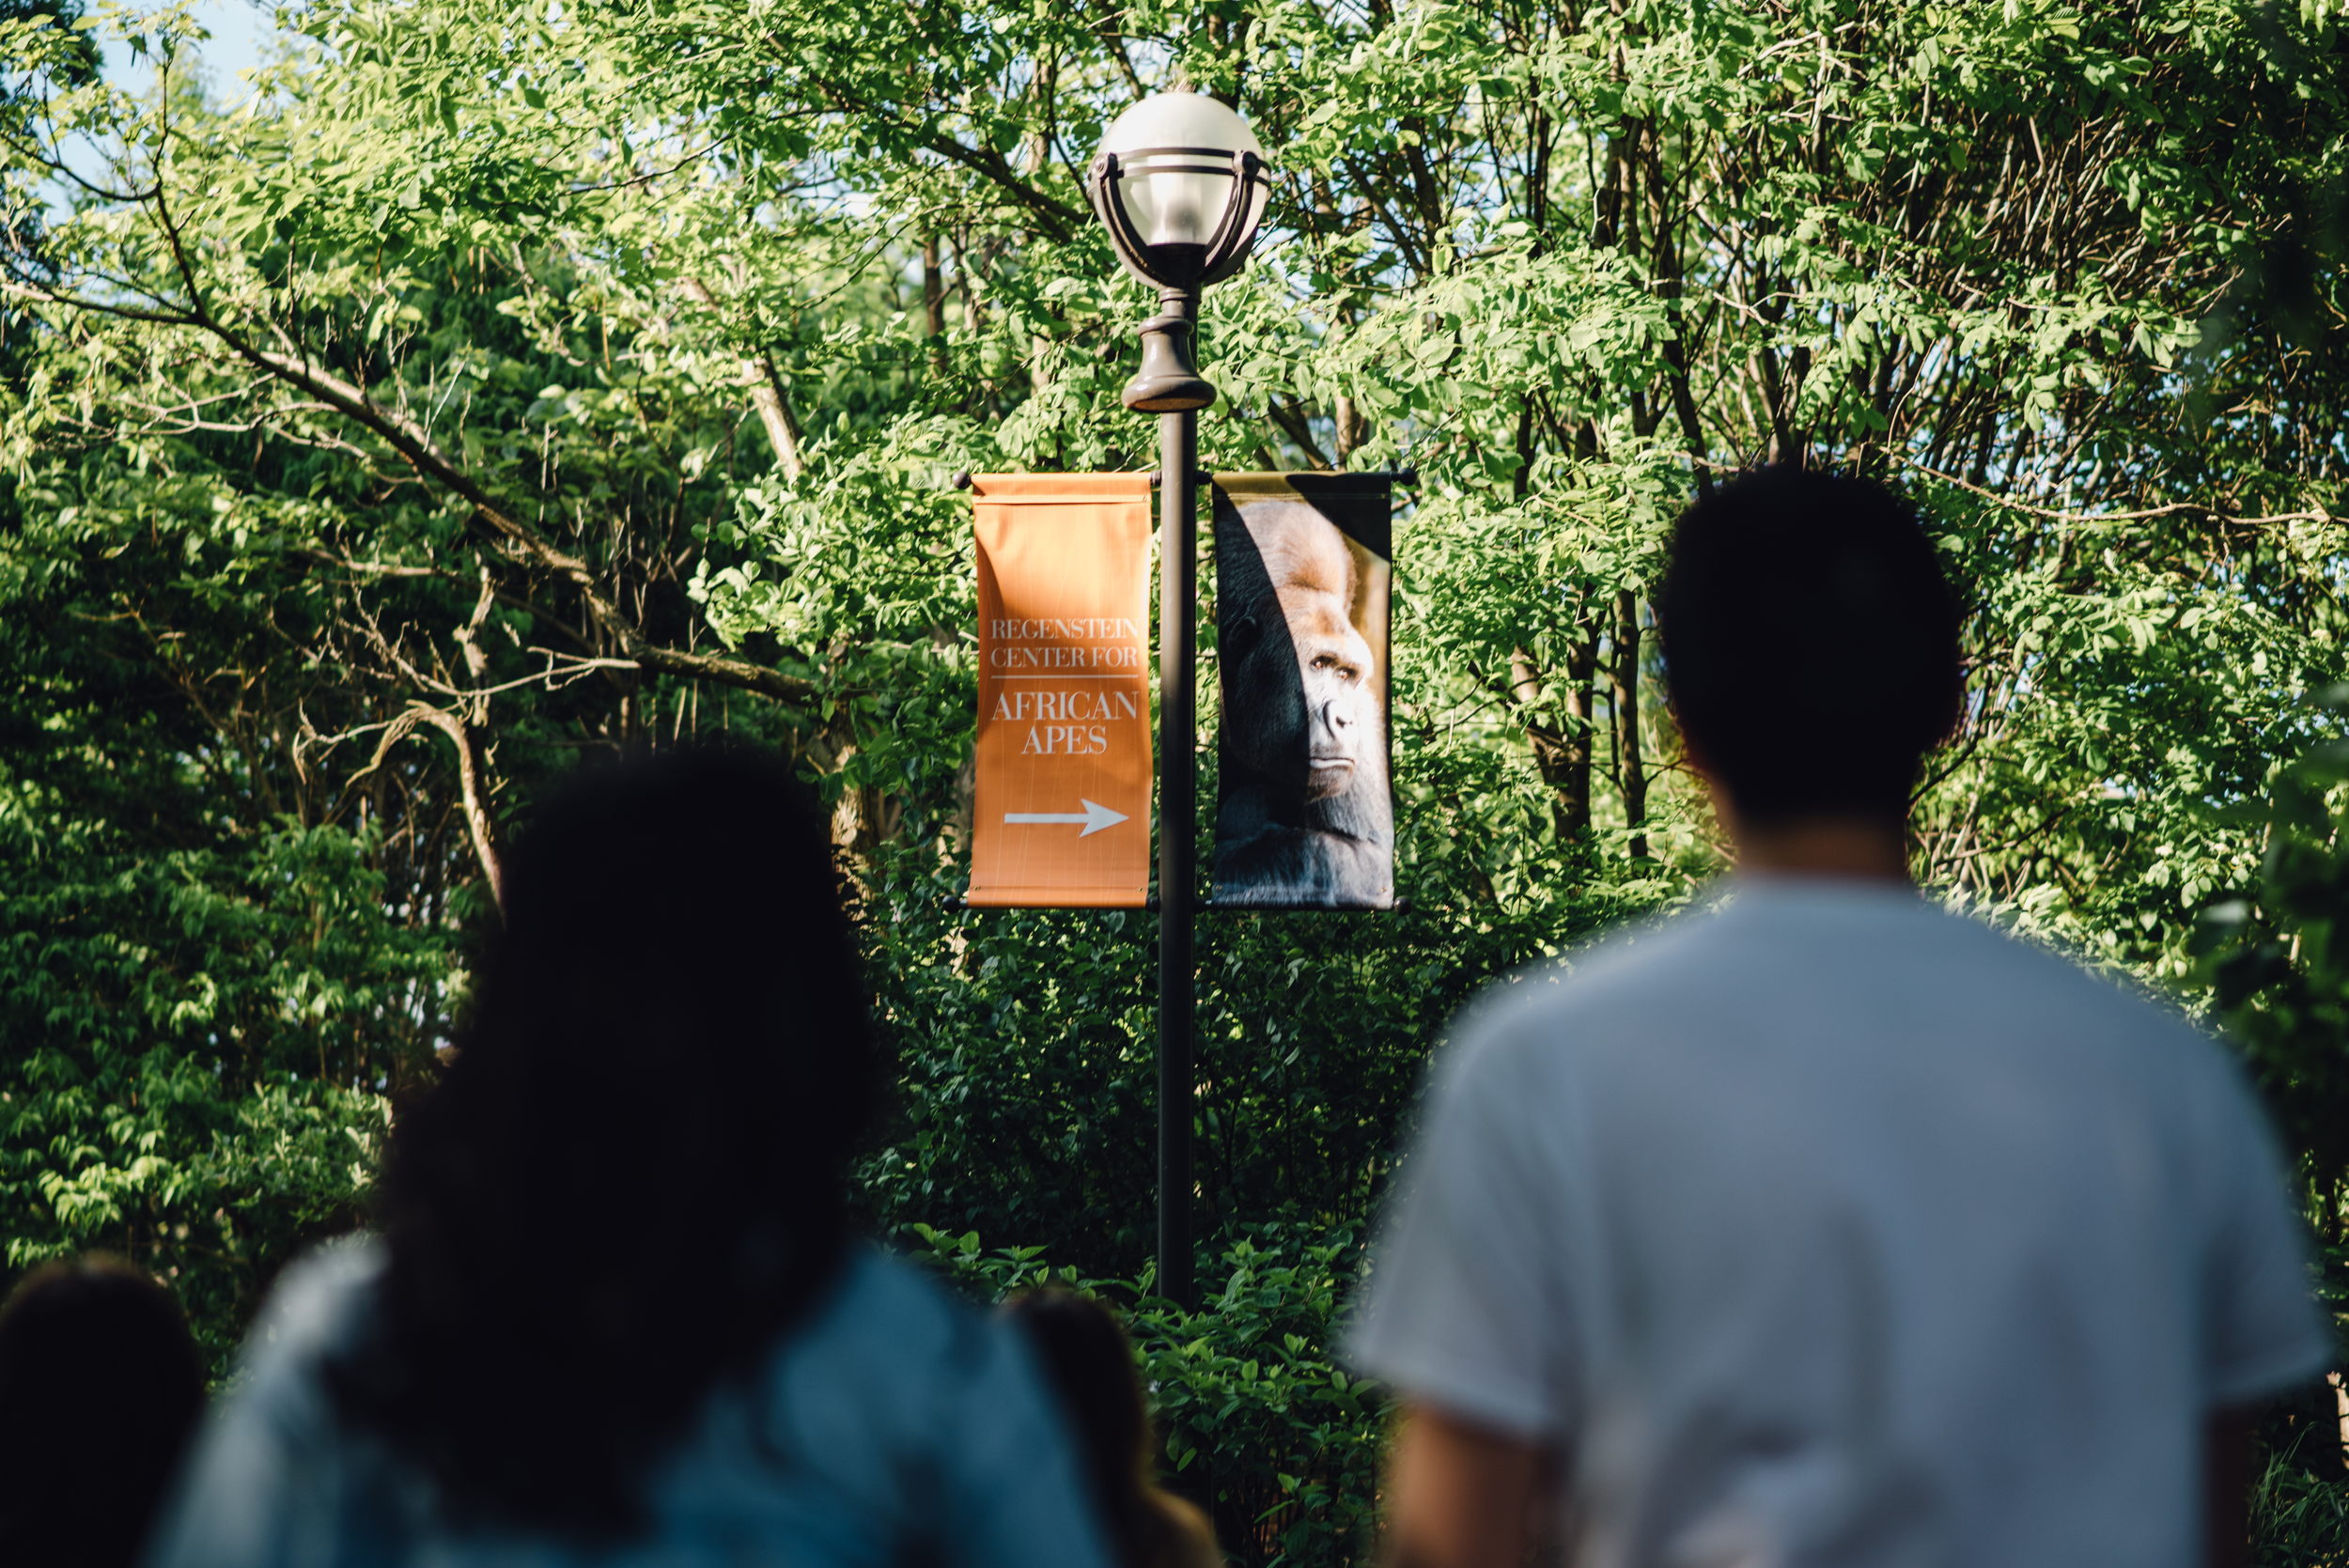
[1063,807]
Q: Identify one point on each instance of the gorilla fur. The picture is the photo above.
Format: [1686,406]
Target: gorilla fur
[1305,816]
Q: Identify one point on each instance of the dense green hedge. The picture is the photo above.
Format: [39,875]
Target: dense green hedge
[1253,1408]
[167,1027]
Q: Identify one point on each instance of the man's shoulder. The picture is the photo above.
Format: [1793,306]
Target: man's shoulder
[1634,971]
[1740,964]
[1623,967]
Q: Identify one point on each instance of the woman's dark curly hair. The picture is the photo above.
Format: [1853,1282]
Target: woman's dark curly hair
[630,1181]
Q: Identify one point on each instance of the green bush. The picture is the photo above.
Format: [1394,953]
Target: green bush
[183,1037]
[1252,1409]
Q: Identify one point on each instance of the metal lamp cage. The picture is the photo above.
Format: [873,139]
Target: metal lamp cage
[1164,266]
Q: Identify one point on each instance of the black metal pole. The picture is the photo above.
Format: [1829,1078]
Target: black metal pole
[1178,818]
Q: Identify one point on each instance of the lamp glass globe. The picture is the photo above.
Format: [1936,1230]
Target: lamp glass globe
[1175,154]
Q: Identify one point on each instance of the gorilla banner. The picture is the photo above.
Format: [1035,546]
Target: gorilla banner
[1305,817]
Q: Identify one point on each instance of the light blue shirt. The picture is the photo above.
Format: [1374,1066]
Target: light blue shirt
[893,1425]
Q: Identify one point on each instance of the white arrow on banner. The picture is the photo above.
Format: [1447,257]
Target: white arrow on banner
[1094,817]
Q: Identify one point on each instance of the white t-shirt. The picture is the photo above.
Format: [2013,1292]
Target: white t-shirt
[1833,1229]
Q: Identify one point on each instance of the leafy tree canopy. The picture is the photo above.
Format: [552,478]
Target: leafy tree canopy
[475,389]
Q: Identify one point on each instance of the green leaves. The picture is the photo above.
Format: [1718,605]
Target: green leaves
[2275,949]
[164,1019]
[1246,1392]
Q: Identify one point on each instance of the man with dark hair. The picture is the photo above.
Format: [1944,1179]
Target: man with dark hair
[1828,1227]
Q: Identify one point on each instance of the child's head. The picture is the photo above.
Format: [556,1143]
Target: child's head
[99,1387]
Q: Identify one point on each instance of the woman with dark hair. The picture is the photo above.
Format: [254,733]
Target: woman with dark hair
[1090,1364]
[616,1313]
[100,1386]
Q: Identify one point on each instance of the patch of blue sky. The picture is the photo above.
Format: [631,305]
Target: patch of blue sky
[241,31]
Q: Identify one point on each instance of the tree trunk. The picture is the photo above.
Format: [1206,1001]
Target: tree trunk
[934,304]
[1564,751]
[1524,478]
[1625,672]
[1574,784]
[774,413]
[973,309]
[1353,429]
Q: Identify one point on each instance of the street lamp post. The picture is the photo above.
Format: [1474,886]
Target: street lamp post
[1180,183]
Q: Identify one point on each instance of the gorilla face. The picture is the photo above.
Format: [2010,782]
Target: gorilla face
[1304,816]
[1341,719]
[1312,575]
